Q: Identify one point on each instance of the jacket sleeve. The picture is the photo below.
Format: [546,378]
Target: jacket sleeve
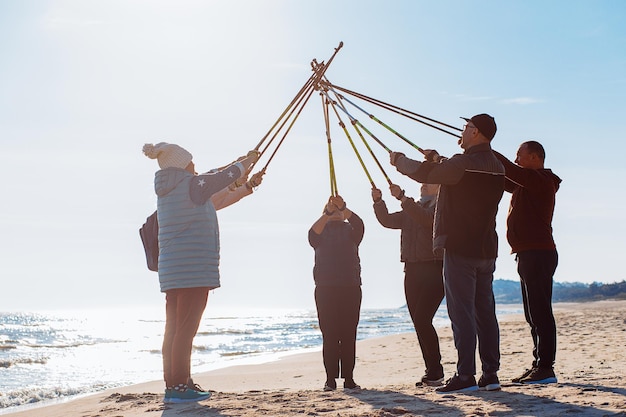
[203,186]
[422,215]
[448,171]
[358,228]
[518,176]
[225,197]
[314,238]
[390,221]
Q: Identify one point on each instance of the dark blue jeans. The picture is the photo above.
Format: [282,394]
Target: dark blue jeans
[423,289]
[472,310]
[536,270]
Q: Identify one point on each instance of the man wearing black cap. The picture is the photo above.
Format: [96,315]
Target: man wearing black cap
[472,185]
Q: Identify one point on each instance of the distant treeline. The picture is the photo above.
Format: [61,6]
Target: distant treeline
[508,292]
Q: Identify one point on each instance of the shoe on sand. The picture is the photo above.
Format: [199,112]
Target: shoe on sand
[489,383]
[458,384]
[540,376]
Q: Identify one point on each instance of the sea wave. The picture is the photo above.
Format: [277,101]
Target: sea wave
[22,361]
[26,396]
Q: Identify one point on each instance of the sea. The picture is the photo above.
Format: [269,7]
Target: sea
[48,357]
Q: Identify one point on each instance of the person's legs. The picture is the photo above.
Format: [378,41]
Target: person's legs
[189,307]
[171,302]
[533,333]
[486,321]
[536,270]
[460,288]
[328,321]
[423,287]
[350,309]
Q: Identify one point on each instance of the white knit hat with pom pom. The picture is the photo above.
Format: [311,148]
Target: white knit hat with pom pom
[168,155]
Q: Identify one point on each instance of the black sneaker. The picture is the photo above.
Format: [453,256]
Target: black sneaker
[456,384]
[540,376]
[350,384]
[431,380]
[330,385]
[489,383]
[527,372]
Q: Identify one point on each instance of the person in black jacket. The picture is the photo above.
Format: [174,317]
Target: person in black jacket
[423,269]
[336,236]
[472,185]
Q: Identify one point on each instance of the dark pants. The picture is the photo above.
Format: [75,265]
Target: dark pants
[423,289]
[338,310]
[536,270]
[472,310]
[183,310]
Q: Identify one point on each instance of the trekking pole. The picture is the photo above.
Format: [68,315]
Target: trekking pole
[358,155]
[302,90]
[331,163]
[380,122]
[288,129]
[399,110]
[355,124]
[304,94]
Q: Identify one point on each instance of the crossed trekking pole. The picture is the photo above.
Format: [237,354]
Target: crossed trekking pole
[335,98]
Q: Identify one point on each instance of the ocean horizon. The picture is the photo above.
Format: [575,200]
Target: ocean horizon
[52,356]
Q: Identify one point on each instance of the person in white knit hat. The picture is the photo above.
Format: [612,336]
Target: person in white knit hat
[188,263]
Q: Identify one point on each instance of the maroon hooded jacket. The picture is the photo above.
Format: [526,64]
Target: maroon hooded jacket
[529,222]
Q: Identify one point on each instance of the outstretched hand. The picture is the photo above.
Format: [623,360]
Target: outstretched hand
[256,179]
[338,202]
[432,155]
[393,157]
[377,195]
[396,191]
[254,155]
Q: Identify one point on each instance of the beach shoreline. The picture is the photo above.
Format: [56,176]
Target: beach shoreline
[591,365]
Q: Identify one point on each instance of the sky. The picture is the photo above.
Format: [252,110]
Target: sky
[84,84]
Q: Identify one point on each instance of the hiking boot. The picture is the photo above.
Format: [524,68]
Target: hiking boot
[350,384]
[330,385]
[431,380]
[458,384]
[540,376]
[489,383]
[527,372]
[182,393]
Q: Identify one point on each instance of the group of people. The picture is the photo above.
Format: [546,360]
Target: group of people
[448,245]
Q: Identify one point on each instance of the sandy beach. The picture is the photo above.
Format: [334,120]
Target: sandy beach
[591,367]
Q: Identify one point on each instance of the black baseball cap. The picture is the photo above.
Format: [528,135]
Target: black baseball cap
[485,124]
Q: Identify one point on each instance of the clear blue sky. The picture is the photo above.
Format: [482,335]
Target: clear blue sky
[84,84]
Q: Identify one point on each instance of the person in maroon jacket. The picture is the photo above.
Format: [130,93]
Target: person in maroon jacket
[529,232]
